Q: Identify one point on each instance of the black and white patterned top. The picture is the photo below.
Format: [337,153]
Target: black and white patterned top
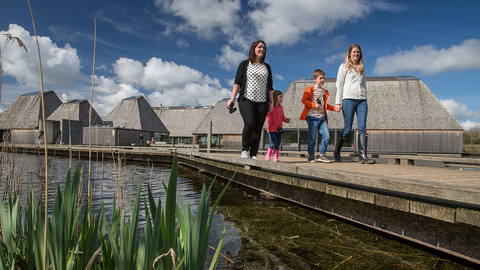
[256,87]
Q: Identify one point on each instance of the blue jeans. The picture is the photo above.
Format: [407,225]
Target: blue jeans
[315,125]
[275,140]
[350,107]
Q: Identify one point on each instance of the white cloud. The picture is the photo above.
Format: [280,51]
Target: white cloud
[469,125]
[58,64]
[128,70]
[459,111]
[205,17]
[429,60]
[339,57]
[286,21]
[275,21]
[71,96]
[230,58]
[168,83]
[278,77]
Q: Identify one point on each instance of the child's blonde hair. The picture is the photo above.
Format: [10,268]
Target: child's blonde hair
[317,73]
[276,93]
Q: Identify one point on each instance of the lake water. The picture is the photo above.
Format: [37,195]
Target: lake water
[259,234]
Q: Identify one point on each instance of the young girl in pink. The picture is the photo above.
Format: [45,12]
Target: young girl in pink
[275,120]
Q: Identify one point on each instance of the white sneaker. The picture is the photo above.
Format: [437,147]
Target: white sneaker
[244,154]
[255,158]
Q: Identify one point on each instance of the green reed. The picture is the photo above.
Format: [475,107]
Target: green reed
[77,238]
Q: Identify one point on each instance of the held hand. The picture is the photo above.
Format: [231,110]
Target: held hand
[270,109]
[317,106]
[288,120]
[338,107]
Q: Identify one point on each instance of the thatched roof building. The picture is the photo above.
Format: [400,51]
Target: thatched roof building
[77,110]
[26,111]
[135,112]
[404,116]
[182,121]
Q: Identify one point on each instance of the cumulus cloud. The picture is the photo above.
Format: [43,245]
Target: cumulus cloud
[168,83]
[128,70]
[58,63]
[429,61]
[230,58]
[275,21]
[339,57]
[204,17]
[469,125]
[459,111]
[286,21]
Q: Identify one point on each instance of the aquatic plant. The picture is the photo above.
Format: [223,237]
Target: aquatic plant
[93,242]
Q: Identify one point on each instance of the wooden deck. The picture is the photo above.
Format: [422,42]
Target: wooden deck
[431,205]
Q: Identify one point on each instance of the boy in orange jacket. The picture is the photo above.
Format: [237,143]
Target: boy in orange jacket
[315,112]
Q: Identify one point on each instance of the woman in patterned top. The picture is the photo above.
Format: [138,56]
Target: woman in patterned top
[254,84]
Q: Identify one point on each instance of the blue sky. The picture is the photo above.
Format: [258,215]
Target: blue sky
[185,52]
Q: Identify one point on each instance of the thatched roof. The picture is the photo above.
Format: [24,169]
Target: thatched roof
[222,121]
[76,110]
[182,121]
[135,112]
[26,110]
[394,103]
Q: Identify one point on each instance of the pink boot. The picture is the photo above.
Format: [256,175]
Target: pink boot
[275,155]
[269,153]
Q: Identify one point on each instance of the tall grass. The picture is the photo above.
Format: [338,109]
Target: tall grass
[77,238]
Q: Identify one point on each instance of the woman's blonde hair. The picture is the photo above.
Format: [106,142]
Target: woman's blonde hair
[276,93]
[349,62]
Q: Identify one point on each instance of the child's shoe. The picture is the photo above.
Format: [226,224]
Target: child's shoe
[269,153]
[323,158]
[244,154]
[275,155]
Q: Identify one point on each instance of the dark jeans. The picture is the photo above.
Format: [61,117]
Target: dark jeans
[351,107]
[275,140]
[254,115]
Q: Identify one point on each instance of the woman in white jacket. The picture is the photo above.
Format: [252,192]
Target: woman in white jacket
[352,99]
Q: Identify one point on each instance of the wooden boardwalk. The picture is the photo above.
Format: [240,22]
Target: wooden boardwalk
[433,173]
[430,205]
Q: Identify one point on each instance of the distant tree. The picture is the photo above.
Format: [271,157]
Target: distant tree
[12,39]
[472,136]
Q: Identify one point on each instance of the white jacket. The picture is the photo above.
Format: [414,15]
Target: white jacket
[350,85]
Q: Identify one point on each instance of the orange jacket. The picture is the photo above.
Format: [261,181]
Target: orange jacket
[307,100]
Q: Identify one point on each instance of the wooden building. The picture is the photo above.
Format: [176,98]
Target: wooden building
[131,118]
[226,128]
[21,122]
[72,116]
[182,121]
